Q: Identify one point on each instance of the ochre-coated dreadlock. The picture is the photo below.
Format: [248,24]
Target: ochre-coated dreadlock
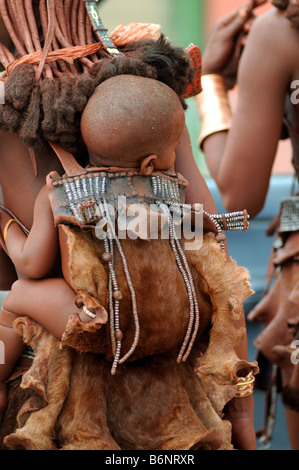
[292,10]
[46,93]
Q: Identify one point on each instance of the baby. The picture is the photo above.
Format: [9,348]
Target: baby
[129,122]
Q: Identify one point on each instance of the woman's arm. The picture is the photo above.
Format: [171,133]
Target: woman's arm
[240,410]
[198,191]
[34,255]
[241,161]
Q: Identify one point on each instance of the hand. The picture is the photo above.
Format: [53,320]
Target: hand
[226,42]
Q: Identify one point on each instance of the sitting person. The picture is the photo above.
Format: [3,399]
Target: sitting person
[152,121]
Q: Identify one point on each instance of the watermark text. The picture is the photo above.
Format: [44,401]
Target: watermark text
[152,222]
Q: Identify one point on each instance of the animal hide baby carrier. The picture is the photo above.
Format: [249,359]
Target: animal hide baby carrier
[159,313]
[154,292]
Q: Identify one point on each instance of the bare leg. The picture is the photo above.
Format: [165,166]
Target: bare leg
[49,302]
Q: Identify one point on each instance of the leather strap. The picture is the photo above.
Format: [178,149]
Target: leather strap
[99,28]
[68,161]
[7,318]
[48,38]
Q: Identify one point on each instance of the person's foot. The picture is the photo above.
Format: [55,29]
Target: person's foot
[3,396]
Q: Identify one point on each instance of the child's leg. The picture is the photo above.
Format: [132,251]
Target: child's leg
[49,302]
[13,348]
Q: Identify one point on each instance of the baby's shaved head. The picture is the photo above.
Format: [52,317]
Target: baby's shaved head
[129,117]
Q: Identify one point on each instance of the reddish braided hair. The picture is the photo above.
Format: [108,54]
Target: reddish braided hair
[44,99]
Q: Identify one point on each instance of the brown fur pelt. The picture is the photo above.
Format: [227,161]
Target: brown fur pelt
[184,402]
[153,404]
[155,300]
[221,288]
[279,313]
[8,419]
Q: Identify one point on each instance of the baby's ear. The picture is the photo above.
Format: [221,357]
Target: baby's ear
[147,165]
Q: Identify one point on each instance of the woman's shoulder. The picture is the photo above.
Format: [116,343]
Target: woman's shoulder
[273,34]
[274,26]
